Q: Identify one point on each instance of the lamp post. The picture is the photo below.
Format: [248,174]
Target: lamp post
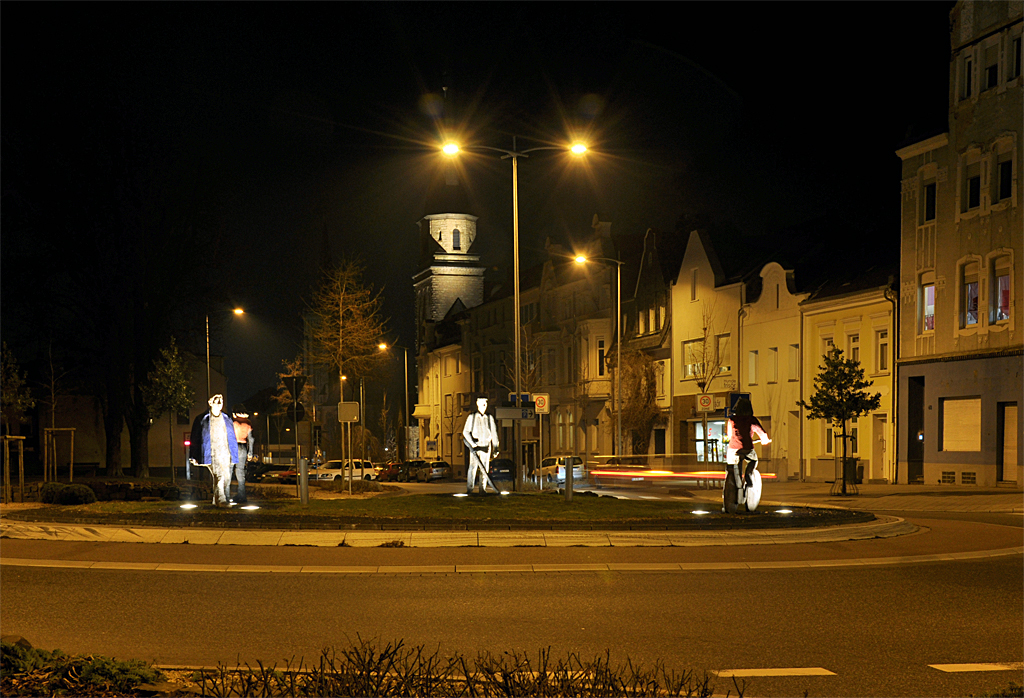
[618,339]
[451,150]
[383,346]
[236,311]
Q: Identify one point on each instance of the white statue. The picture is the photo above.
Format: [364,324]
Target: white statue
[214,447]
[481,437]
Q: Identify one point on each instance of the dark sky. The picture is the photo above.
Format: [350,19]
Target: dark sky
[321,118]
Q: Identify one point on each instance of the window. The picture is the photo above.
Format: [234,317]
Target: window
[826,345]
[972,186]
[854,433]
[724,357]
[772,367]
[1013,60]
[999,309]
[991,75]
[794,362]
[456,239]
[692,354]
[752,368]
[928,203]
[882,350]
[853,347]
[960,424]
[928,308]
[966,75]
[969,295]
[561,432]
[827,436]
[600,357]
[1004,177]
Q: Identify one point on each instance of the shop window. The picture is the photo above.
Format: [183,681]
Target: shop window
[960,424]
[716,430]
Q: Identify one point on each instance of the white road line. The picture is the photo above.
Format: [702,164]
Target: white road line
[992,666]
[788,671]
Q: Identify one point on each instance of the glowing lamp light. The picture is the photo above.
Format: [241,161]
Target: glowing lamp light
[580,259]
[238,311]
[699,512]
[504,492]
[460,494]
[450,149]
[189,506]
[783,511]
[578,149]
[187,442]
[250,507]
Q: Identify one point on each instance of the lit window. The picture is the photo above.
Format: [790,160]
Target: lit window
[999,307]
[692,354]
[456,239]
[970,295]
[928,308]
[724,357]
[960,424]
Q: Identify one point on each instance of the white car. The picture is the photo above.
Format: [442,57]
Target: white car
[339,470]
[553,469]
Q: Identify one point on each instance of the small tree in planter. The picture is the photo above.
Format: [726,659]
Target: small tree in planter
[839,395]
[169,391]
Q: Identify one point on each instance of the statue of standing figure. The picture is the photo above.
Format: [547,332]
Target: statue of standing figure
[481,437]
[214,446]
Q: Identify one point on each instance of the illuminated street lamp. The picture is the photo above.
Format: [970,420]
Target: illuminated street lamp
[452,149]
[236,311]
[580,259]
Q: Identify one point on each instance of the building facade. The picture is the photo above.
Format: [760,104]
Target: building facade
[960,335]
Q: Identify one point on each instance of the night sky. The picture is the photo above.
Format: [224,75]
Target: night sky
[321,120]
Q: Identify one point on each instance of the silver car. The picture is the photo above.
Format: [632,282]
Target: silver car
[438,470]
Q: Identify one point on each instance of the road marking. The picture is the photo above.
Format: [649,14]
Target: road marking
[993,666]
[788,671]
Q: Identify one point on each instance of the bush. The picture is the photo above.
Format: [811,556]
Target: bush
[27,671]
[48,492]
[76,494]
[358,486]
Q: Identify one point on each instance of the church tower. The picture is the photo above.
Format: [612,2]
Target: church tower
[450,277]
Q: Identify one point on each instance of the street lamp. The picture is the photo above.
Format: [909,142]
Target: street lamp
[580,259]
[236,311]
[383,346]
[577,149]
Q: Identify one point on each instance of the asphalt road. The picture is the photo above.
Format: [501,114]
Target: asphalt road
[874,629]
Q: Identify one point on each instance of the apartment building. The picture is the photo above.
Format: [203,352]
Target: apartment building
[960,334]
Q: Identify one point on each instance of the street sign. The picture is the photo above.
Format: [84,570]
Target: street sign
[296,412]
[541,402]
[512,398]
[705,403]
[733,399]
[514,413]
[295,384]
[348,411]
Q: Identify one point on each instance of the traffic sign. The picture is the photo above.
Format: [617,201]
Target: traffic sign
[733,399]
[705,403]
[296,412]
[348,411]
[541,402]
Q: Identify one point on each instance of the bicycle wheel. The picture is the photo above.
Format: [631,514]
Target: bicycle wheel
[730,496]
[754,491]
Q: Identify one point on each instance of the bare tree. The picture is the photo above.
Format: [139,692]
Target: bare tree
[704,360]
[640,409]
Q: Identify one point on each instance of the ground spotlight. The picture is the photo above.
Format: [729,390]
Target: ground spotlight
[189,506]
[250,507]
[699,512]
[460,494]
[783,511]
[504,491]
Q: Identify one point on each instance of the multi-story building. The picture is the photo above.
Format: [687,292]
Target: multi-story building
[960,334]
[854,312]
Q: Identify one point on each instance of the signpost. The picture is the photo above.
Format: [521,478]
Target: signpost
[705,403]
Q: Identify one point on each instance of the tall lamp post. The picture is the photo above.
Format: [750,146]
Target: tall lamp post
[236,311]
[383,346]
[618,338]
[451,150]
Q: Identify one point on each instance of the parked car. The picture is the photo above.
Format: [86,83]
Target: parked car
[438,470]
[393,472]
[502,469]
[339,470]
[553,469]
[256,471]
[411,470]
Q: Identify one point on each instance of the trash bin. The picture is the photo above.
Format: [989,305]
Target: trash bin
[852,473]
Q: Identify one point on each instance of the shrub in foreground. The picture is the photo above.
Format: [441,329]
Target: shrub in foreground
[26,671]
